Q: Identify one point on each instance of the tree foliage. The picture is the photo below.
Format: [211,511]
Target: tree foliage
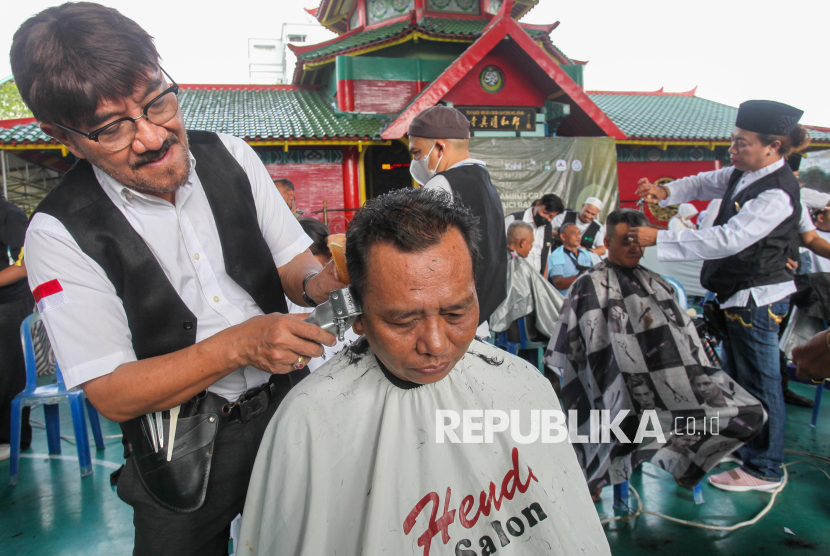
[11,105]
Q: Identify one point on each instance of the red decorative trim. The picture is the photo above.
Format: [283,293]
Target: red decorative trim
[815,127]
[312,12]
[300,49]
[546,28]
[493,35]
[8,124]
[658,93]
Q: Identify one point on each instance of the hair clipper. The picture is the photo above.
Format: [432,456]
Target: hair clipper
[338,313]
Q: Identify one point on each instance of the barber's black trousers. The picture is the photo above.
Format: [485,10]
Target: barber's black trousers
[205,532]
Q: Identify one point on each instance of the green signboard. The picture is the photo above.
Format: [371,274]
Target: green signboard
[525,168]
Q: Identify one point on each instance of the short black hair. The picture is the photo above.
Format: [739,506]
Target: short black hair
[552,203]
[69,58]
[286,182]
[633,218]
[411,220]
[318,232]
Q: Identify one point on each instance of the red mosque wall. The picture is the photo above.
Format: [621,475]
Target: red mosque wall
[629,173]
[519,88]
[313,183]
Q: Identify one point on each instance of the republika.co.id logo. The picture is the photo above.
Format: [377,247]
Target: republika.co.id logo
[550,426]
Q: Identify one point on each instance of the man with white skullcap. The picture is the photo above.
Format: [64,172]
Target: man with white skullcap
[593,233]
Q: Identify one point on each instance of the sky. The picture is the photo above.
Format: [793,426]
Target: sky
[731,50]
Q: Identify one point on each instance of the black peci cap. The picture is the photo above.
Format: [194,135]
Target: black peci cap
[767,117]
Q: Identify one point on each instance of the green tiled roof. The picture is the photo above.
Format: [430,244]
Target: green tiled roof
[358,39]
[437,26]
[272,113]
[821,135]
[26,133]
[251,114]
[667,117]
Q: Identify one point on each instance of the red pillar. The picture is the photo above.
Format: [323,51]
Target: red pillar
[351,186]
[345,95]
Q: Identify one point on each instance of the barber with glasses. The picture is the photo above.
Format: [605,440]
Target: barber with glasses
[160,265]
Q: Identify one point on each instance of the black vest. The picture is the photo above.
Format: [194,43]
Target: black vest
[472,184]
[158,319]
[764,262]
[547,241]
[590,233]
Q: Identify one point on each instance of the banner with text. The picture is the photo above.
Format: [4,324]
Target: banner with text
[525,168]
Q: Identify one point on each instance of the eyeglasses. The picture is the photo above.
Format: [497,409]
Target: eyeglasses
[118,135]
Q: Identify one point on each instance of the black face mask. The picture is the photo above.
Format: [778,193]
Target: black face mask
[540,220]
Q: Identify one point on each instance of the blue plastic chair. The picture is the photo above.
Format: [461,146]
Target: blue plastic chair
[682,299]
[49,397]
[537,349]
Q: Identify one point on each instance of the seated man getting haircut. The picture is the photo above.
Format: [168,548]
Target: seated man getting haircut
[356,461]
[569,261]
[529,295]
[625,345]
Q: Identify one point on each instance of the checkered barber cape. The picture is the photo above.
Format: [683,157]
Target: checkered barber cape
[623,343]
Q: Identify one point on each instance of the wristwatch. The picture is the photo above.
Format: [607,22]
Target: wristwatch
[306,298]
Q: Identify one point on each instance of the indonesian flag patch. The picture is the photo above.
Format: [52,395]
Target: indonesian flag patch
[49,295]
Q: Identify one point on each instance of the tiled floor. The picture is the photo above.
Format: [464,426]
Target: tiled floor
[54,511]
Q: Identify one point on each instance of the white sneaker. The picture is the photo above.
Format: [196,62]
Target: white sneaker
[5,451]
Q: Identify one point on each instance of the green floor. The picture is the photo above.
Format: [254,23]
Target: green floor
[53,511]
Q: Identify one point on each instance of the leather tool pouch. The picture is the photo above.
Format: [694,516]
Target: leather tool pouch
[714,317]
[180,484]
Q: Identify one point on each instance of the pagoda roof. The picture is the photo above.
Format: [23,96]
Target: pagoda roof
[254,113]
[430,28]
[660,116]
[585,119]
[334,14]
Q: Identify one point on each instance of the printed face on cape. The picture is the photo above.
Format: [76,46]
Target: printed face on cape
[420,310]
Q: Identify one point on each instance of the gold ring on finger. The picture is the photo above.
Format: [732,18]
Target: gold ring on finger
[301,361]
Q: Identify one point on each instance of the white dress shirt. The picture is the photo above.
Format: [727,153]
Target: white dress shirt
[89,332]
[535,255]
[755,221]
[598,240]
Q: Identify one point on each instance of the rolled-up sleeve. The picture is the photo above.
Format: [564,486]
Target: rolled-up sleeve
[755,221]
[705,186]
[88,329]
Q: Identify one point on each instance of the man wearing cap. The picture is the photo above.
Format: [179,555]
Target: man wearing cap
[439,141]
[593,233]
[746,254]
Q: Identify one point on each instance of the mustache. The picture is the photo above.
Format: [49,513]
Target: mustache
[153,156]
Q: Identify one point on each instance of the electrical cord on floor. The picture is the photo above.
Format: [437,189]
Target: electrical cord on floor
[69,439]
[740,525]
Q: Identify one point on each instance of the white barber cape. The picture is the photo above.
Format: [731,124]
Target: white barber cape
[350,465]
